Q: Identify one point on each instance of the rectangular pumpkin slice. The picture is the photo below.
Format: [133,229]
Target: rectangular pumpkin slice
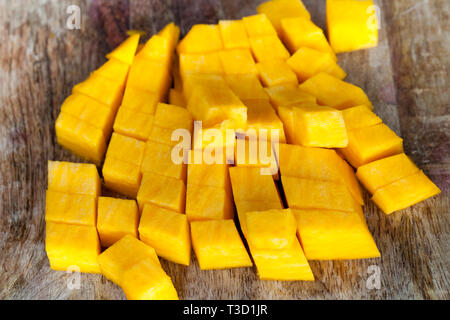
[246,87]
[70,208]
[207,63]
[269,47]
[275,73]
[258,25]
[121,176]
[234,35]
[237,61]
[208,203]
[75,178]
[139,100]
[277,10]
[158,159]
[288,95]
[201,38]
[134,124]
[244,206]
[359,117]
[172,117]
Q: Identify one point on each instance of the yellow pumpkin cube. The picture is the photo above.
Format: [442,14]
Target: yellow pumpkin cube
[287,116]
[307,62]
[318,126]
[234,35]
[302,32]
[244,206]
[380,173]
[165,192]
[208,63]
[172,33]
[278,10]
[352,25]
[133,124]
[114,70]
[126,149]
[122,177]
[116,219]
[193,80]
[258,25]
[208,203]
[150,75]
[286,95]
[335,93]
[201,38]
[176,98]
[260,115]
[250,152]
[405,192]
[249,184]
[276,72]
[212,175]
[268,48]
[147,281]
[237,61]
[156,48]
[158,159]
[69,245]
[140,100]
[74,178]
[70,208]
[359,117]
[123,255]
[172,117]
[246,86]
[217,245]
[371,143]
[335,235]
[167,232]
[126,50]
[162,135]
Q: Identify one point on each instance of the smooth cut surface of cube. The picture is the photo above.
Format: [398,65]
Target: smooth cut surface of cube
[217,245]
[255,153]
[278,10]
[167,232]
[192,80]
[246,86]
[71,246]
[234,35]
[212,175]
[116,219]
[237,61]
[276,72]
[201,38]
[70,208]
[122,177]
[249,184]
[268,48]
[114,70]
[140,100]
[156,48]
[126,50]
[244,206]
[359,117]
[172,117]
[149,75]
[287,95]
[208,63]
[133,123]
[258,25]
[172,33]
[126,149]
[208,203]
[76,178]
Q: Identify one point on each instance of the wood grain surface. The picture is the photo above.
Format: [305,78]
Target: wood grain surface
[406,77]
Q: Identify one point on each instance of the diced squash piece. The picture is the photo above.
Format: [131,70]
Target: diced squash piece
[405,192]
[271,229]
[287,116]
[133,123]
[69,245]
[260,115]
[212,175]
[359,117]
[234,35]
[201,38]
[333,92]
[192,80]
[162,135]
[214,140]
[126,149]
[307,62]
[251,152]
[146,281]
[371,143]
[318,126]
[165,192]
[80,137]
[244,206]
[172,117]
[122,177]
[116,219]
[172,33]
[314,194]
[268,48]
[282,264]
[335,235]
[276,72]
[277,10]
[124,254]
[217,245]
[246,86]
[258,25]
[126,50]
[352,25]
[176,98]
[158,159]
[140,100]
[208,63]
[167,232]
[237,61]
[114,70]
[285,96]
[244,180]
[380,173]
[157,48]
[70,208]
[75,178]
[208,203]
[302,32]
[150,75]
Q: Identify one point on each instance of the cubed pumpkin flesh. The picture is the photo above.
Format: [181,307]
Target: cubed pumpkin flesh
[278,10]
[287,116]
[217,245]
[150,75]
[314,194]
[208,63]
[126,149]
[133,123]
[300,32]
[307,62]
[213,141]
[405,192]
[244,206]
[244,181]
[192,80]
[116,219]
[371,143]
[167,232]
[172,117]
[352,25]
[124,254]
[256,153]
[380,173]
[276,72]
[172,33]
[158,159]
[75,178]
[334,235]
[147,281]
[156,48]
[201,38]
[139,100]
[126,50]
[282,264]
[270,229]
[163,135]
[237,61]
[208,203]
[165,192]
[234,35]
[114,70]
[69,246]
[359,117]
[212,175]
[176,98]
[318,126]
[286,95]
[122,177]
[246,86]
[333,92]
[70,208]
[80,137]
[258,25]
[268,48]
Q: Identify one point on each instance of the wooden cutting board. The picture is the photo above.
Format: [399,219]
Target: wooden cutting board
[406,77]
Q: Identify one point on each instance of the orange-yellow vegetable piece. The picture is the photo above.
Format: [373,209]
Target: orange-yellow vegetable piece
[234,35]
[276,72]
[268,47]
[237,61]
[244,180]
[278,10]
[258,25]
[359,117]
[208,203]
[70,208]
[201,38]
[126,50]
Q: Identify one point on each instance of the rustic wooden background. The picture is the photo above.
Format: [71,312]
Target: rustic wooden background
[406,77]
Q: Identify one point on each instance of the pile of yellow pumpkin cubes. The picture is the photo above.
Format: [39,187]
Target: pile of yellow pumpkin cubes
[249,115]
